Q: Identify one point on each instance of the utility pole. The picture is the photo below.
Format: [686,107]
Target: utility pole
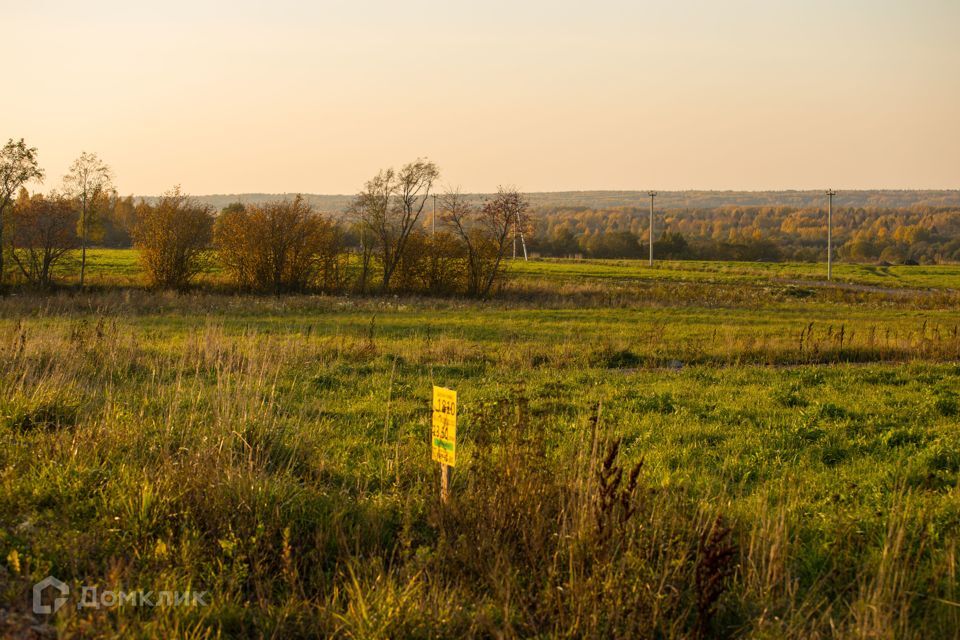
[652,194]
[518,231]
[830,194]
[433,232]
[523,242]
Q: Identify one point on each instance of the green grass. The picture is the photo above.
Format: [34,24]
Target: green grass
[120,266]
[932,277]
[274,451]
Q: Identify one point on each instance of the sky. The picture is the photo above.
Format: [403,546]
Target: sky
[316,97]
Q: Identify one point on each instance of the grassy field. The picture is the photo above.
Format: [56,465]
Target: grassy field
[119,266]
[696,450]
[896,276]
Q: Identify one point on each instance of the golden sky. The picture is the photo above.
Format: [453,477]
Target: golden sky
[283,96]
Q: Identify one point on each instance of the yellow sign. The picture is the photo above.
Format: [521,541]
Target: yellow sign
[444,432]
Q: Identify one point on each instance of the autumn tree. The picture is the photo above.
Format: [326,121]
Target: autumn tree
[279,246]
[18,166]
[671,246]
[172,237]
[117,220]
[357,216]
[444,259]
[614,244]
[431,262]
[392,202]
[88,180]
[43,230]
[486,233]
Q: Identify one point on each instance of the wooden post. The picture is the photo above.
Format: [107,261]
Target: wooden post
[444,483]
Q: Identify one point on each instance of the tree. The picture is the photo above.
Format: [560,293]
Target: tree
[172,237]
[615,244]
[860,251]
[18,166]
[486,233]
[671,246]
[117,220]
[43,231]
[279,246]
[357,215]
[564,243]
[392,202]
[431,262]
[87,181]
[444,259]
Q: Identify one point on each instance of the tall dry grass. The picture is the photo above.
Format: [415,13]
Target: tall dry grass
[202,461]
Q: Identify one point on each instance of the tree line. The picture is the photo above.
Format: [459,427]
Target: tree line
[387,240]
[920,233]
[382,244]
[890,199]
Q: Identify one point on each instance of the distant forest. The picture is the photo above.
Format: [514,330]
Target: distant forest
[880,199]
[895,226]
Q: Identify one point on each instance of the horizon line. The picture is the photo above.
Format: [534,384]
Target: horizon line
[541,192]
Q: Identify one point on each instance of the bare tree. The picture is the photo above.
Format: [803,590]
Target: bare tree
[486,233]
[18,166]
[392,202]
[460,214]
[88,179]
[43,231]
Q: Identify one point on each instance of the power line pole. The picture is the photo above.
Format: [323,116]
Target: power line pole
[830,194]
[523,242]
[518,232]
[434,220]
[652,194]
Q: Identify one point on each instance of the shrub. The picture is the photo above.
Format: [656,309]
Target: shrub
[280,247]
[609,357]
[431,263]
[43,233]
[172,237]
